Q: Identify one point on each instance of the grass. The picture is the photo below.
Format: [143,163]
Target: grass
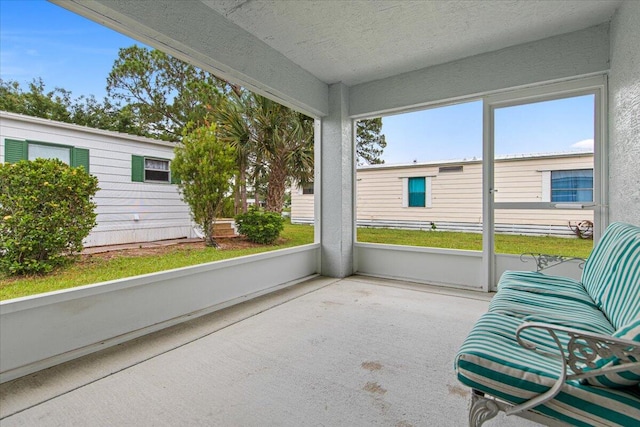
[98,269]
[504,243]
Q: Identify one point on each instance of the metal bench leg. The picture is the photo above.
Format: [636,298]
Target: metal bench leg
[482,409]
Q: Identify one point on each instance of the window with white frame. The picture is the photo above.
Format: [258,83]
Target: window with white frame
[42,151]
[150,169]
[572,185]
[156,170]
[416,192]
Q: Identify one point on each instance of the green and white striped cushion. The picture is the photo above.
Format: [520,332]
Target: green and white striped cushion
[527,306]
[626,378]
[538,283]
[612,273]
[491,361]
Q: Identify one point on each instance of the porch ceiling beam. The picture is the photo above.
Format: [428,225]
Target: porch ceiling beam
[193,32]
[569,55]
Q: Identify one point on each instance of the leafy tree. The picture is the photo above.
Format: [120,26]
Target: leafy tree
[163,92]
[204,166]
[46,210]
[53,105]
[59,105]
[370,142]
[156,95]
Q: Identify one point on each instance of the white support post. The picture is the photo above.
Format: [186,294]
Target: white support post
[488,257]
[337,184]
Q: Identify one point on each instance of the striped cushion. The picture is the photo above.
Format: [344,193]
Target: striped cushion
[626,378]
[534,307]
[538,283]
[612,273]
[491,361]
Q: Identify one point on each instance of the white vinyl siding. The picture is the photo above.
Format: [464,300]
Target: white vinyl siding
[455,197]
[128,211]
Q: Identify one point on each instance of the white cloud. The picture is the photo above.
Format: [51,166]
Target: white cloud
[585,144]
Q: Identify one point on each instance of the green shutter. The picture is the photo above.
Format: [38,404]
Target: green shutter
[80,157]
[15,150]
[137,168]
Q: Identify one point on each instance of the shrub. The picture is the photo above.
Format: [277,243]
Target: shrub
[45,212]
[260,227]
[204,166]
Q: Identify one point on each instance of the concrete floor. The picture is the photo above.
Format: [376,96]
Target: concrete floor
[352,352]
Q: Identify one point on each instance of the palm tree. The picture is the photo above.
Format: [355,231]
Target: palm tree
[274,143]
[233,128]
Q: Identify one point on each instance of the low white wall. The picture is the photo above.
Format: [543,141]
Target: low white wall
[444,267]
[40,331]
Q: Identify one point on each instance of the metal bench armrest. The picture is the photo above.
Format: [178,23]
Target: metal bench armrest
[584,349]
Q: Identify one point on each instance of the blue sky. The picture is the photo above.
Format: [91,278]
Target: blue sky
[39,39]
[455,131]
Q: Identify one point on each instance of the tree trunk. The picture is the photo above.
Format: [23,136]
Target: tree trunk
[236,196]
[275,188]
[243,189]
[209,240]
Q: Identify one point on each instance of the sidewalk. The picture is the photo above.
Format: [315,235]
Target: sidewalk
[157,243]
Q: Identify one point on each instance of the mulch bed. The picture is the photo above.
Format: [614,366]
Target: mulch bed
[224,244]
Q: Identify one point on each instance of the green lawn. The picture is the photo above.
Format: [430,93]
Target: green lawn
[97,269]
[505,243]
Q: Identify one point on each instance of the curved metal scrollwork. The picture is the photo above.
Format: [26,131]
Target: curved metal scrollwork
[482,409]
[584,353]
[544,261]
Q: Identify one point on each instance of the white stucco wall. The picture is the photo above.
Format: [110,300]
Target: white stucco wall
[624,115]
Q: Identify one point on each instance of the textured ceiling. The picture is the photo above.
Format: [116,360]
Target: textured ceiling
[356,41]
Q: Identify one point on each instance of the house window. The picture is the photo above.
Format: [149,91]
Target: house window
[307,188]
[16,150]
[416,192]
[572,185]
[150,169]
[40,151]
[156,170]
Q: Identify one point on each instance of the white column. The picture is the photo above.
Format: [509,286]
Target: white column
[337,181]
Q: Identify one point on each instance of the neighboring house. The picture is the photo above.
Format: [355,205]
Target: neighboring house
[449,194]
[137,201]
